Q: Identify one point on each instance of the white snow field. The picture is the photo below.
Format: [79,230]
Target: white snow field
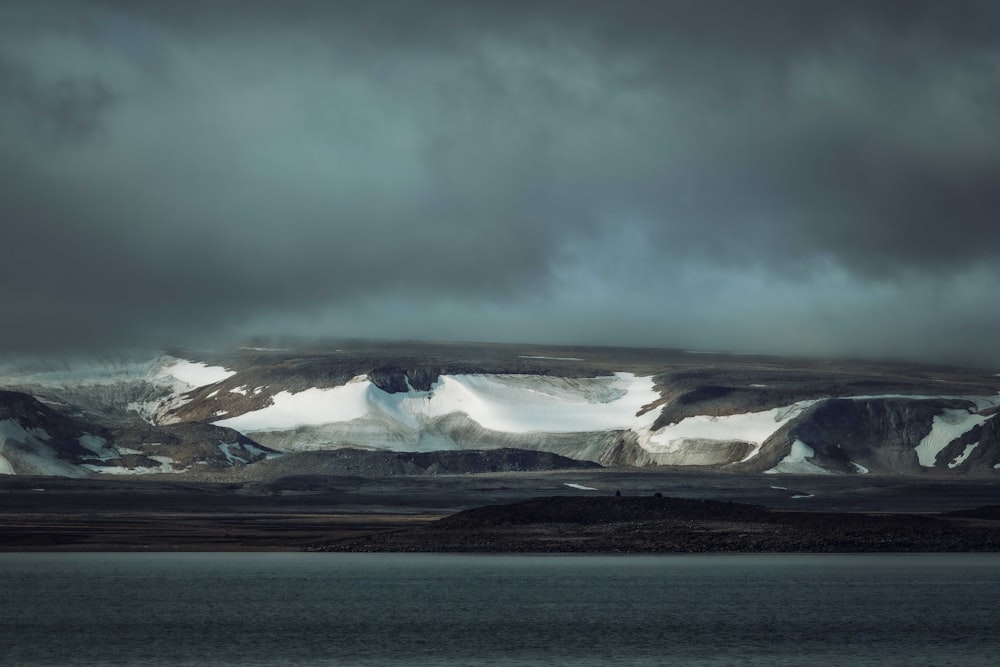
[796,462]
[581,487]
[751,427]
[504,403]
[196,373]
[577,417]
[525,406]
[947,426]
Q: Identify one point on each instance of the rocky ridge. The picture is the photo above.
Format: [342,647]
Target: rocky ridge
[573,524]
[853,417]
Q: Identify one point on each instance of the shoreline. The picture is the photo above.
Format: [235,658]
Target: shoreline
[492,513]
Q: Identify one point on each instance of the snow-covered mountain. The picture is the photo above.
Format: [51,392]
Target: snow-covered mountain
[35,439]
[197,411]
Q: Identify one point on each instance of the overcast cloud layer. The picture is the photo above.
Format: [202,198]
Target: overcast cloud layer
[791,177]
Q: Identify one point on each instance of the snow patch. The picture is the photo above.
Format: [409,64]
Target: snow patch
[796,462]
[752,427]
[99,446]
[196,373]
[34,455]
[579,486]
[243,454]
[178,377]
[307,408]
[164,460]
[240,390]
[212,394]
[120,470]
[233,459]
[800,452]
[947,426]
[5,467]
[11,429]
[859,468]
[166,466]
[535,356]
[960,459]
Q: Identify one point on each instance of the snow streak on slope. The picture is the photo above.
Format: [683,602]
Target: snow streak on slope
[947,426]
[505,403]
[27,448]
[178,376]
[796,462]
[752,427]
[960,459]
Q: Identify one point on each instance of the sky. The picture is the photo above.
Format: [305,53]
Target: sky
[793,177]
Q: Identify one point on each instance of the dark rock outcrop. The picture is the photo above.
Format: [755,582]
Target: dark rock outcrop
[190,444]
[364,463]
[51,443]
[880,434]
[51,440]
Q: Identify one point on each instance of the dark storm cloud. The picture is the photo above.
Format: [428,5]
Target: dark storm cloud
[65,109]
[800,176]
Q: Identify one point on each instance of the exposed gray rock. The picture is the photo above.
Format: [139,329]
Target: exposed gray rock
[880,434]
[47,442]
[350,462]
[191,444]
[41,441]
[985,453]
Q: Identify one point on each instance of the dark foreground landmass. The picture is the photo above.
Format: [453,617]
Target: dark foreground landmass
[536,512]
[679,525]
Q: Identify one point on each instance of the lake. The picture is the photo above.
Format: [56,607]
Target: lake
[279,609]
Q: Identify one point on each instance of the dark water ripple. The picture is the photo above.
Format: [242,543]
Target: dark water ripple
[429,610]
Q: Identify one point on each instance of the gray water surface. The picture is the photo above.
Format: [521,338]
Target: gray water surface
[280,609]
